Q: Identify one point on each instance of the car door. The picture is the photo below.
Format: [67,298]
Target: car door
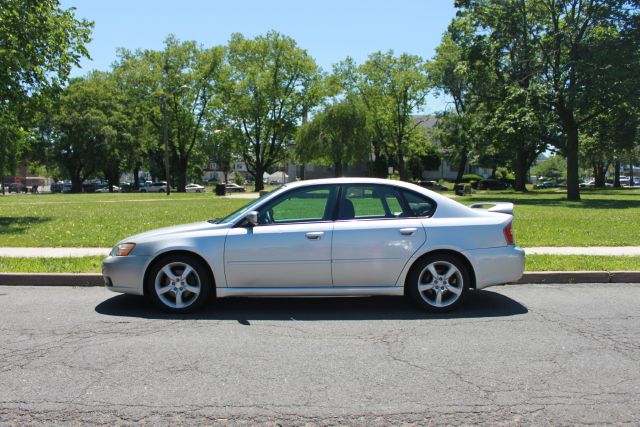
[374,236]
[290,246]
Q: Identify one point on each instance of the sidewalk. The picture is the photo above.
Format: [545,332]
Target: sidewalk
[546,250]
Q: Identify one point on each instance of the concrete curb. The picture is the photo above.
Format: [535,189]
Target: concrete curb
[535,277]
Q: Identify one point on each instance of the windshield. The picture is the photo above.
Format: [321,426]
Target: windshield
[247,208]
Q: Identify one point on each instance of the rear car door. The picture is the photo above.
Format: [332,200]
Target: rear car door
[374,237]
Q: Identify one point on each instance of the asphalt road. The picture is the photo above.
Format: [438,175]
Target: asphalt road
[528,354]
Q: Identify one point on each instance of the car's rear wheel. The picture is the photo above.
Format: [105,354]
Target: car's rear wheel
[438,282]
[178,283]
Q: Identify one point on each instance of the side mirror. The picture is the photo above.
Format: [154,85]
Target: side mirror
[252,218]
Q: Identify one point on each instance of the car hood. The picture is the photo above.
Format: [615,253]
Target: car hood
[176,229]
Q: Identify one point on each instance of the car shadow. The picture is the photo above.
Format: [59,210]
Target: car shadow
[478,304]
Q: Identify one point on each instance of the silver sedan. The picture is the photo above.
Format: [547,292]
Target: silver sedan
[333,237]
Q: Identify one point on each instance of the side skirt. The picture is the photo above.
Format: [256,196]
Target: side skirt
[309,292]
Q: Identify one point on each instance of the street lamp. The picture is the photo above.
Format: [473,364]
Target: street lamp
[165,134]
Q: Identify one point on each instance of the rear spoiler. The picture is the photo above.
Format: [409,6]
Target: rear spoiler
[501,207]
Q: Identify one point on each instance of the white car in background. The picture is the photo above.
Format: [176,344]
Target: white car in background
[105,189]
[333,237]
[194,188]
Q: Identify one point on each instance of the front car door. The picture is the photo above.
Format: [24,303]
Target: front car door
[375,235]
[290,246]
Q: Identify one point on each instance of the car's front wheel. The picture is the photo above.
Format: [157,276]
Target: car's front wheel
[438,282]
[178,283]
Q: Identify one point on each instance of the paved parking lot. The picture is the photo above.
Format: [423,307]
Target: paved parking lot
[528,354]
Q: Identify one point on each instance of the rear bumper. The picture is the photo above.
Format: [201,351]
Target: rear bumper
[125,274]
[496,266]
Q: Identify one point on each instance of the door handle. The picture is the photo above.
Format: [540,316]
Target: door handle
[408,231]
[315,235]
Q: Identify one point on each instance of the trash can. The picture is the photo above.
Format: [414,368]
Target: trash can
[221,190]
[459,189]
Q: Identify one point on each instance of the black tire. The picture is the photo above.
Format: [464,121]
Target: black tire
[452,290]
[177,295]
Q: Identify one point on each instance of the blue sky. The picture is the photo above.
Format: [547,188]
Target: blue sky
[329,30]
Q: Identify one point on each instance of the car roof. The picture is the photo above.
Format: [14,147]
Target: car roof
[446,206]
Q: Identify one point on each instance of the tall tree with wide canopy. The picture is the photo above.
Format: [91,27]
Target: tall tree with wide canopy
[588,57]
[270,83]
[392,88]
[336,136]
[39,44]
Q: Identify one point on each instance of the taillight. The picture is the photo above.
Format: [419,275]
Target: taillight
[508,234]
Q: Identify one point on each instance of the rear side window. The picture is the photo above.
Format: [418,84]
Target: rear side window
[372,201]
[418,204]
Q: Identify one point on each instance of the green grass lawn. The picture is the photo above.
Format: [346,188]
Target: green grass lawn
[534,263]
[542,218]
[545,218]
[581,263]
[100,220]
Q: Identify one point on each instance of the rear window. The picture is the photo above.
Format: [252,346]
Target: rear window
[418,204]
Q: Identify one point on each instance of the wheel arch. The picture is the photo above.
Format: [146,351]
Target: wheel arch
[158,258]
[450,252]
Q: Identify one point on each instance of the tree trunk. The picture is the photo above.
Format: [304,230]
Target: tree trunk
[616,170]
[573,185]
[631,171]
[337,171]
[259,186]
[521,168]
[494,167]
[136,178]
[598,174]
[402,169]
[462,164]
[181,175]
[76,183]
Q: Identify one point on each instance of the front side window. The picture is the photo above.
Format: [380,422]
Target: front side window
[303,205]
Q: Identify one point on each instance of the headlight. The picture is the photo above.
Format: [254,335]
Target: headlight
[123,249]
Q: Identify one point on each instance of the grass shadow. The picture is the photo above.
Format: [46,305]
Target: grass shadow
[478,304]
[19,224]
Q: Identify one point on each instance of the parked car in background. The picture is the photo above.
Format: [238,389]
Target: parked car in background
[234,188]
[154,187]
[105,189]
[17,187]
[492,184]
[329,237]
[432,185]
[194,188]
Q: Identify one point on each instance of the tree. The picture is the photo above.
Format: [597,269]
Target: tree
[39,43]
[188,79]
[270,83]
[553,167]
[87,129]
[338,136]
[392,88]
[587,56]
[493,41]
[449,74]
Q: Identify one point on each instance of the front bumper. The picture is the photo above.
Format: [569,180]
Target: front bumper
[125,273]
[496,266]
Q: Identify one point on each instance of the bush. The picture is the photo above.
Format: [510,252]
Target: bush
[238,178]
[470,177]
